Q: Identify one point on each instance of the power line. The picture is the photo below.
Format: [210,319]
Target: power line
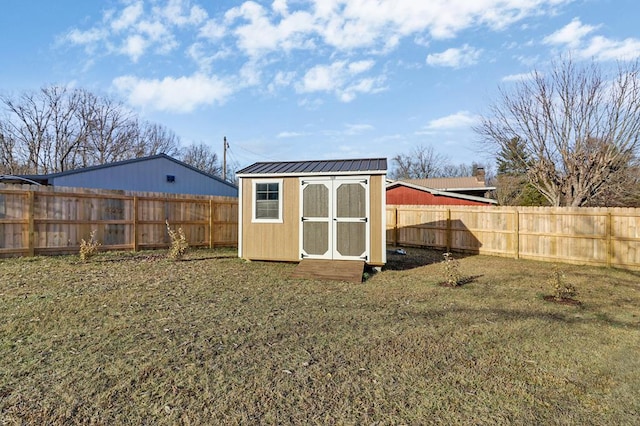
[255,154]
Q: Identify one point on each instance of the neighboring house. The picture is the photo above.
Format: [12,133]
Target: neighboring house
[405,193]
[156,173]
[469,185]
[469,190]
[332,209]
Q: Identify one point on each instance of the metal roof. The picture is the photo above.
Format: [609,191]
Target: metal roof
[46,178]
[435,191]
[316,167]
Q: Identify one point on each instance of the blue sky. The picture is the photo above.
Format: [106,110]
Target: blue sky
[303,79]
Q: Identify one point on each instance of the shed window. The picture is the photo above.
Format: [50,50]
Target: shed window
[267,205]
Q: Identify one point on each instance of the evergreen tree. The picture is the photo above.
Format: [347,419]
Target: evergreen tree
[513,187]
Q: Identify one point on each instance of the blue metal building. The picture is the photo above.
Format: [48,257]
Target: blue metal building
[156,173]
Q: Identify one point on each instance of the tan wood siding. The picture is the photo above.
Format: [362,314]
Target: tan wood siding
[272,241]
[376,220]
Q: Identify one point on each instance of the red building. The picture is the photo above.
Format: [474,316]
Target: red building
[410,193]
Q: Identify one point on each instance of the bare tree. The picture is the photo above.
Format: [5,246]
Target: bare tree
[622,190]
[422,162]
[202,157]
[8,162]
[57,128]
[111,130]
[464,170]
[155,139]
[579,127]
[67,130]
[29,118]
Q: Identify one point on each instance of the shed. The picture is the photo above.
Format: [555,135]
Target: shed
[155,173]
[327,209]
[406,193]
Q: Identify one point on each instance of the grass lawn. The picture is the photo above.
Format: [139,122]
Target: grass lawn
[134,338]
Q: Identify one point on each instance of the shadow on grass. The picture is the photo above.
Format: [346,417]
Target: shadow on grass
[463,281]
[230,256]
[569,316]
[153,257]
[416,258]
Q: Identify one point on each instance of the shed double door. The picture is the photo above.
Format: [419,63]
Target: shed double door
[335,218]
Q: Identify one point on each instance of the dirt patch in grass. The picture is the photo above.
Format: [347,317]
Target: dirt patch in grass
[140,339]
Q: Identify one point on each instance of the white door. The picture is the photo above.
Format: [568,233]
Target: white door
[334,218]
[316,216]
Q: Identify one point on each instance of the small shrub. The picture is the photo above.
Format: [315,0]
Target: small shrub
[89,248]
[179,243]
[451,271]
[561,288]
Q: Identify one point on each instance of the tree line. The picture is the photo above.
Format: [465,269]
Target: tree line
[423,162]
[57,128]
[569,136]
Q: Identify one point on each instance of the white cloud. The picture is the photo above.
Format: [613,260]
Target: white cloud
[180,13]
[604,49]
[356,129]
[570,35]
[371,24]
[136,30]
[134,47]
[453,121]
[323,78]
[341,78]
[454,57]
[518,77]
[573,37]
[338,37]
[360,66]
[88,37]
[183,94]
[212,30]
[286,135]
[256,35]
[128,17]
[281,79]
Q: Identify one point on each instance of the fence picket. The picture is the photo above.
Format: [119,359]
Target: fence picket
[52,220]
[594,236]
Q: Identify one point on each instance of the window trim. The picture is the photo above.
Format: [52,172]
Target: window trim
[254,185]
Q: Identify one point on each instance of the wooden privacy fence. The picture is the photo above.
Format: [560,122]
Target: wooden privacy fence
[594,236]
[53,220]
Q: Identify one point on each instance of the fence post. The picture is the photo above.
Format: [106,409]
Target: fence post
[608,236]
[395,226]
[517,233]
[32,226]
[449,230]
[136,242]
[211,236]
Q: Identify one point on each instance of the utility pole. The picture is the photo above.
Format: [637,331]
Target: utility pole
[224,159]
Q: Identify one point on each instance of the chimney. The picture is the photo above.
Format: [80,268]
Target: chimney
[480,174]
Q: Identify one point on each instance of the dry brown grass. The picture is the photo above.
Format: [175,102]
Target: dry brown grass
[140,339]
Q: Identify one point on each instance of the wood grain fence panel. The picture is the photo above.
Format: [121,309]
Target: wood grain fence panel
[225,223]
[13,222]
[596,236]
[61,217]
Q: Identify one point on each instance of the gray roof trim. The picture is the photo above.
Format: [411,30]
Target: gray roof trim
[4,178]
[442,193]
[46,178]
[318,167]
